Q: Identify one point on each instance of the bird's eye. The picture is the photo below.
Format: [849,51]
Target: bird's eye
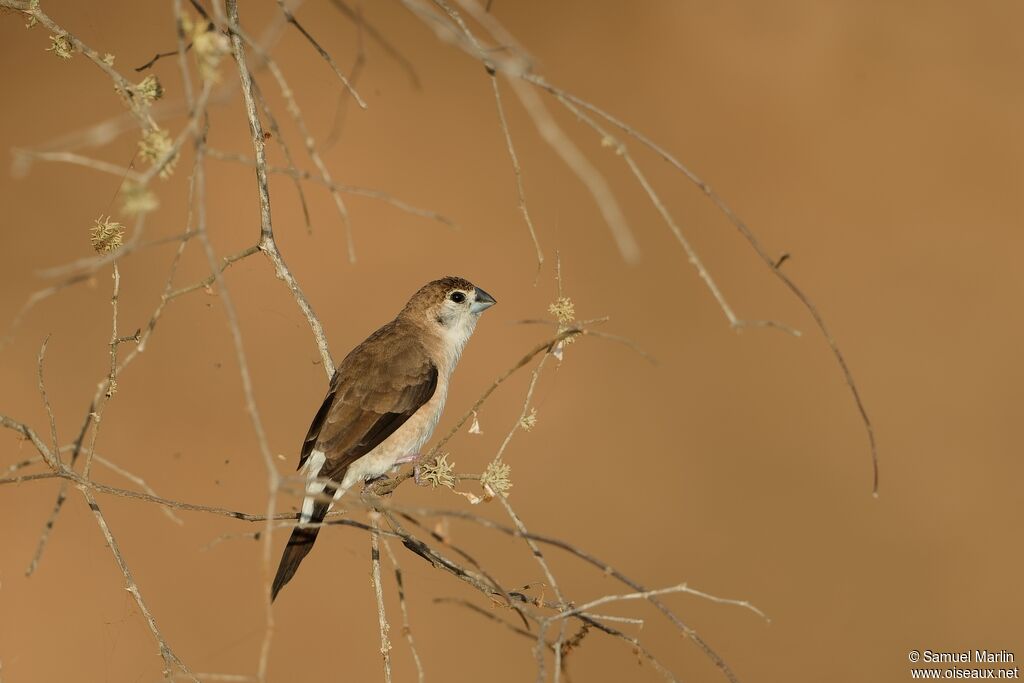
[457,297]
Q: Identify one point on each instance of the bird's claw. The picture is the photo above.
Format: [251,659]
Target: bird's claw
[373,480]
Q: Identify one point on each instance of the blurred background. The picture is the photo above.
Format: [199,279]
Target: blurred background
[877,142]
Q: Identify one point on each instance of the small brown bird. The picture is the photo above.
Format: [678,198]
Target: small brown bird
[383,404]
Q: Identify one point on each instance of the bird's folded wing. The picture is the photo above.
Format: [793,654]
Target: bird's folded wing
[378,386]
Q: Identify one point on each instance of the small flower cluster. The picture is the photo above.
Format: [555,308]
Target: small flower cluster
[106,235]
[495,478]
[142,94]
[60,45]
[564,310]
[438,473]
[208,45]
[154,146]
[529,421]
[137,199]
[149,89]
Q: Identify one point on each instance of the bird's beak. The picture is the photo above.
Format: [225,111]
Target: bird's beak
[482,302]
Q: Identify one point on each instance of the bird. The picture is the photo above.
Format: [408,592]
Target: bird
[383,404]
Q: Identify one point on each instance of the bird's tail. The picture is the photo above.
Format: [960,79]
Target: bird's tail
[299,545]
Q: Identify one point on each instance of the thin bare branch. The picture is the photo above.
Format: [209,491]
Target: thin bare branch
[279,137]
[406,626]
[378,592]
[171,660]
[516,170]
[347,189]
[46,399]
[24,156]
[379,38]
[643,595]
[322,52]
[111,380]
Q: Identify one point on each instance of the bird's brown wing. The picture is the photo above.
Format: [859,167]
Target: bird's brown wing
[378,386]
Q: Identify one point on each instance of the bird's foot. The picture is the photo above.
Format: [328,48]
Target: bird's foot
[414,458]
[373,480]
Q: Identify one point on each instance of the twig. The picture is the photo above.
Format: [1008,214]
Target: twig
[406,627]
[488,615]
[591,620]
[643,595]
[382,620]
[322,52]
[34,300]
[379,38]
[79,160]
[355,71]
[279,137]
[347,189]
[478,580]
[140,482]
[170,658]
[225,263]
[62,493]
[44,537]
[516,170]
[481,579]
[158,56]
[46,398]
[111,380]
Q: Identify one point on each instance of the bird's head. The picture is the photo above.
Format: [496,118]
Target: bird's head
[450,308]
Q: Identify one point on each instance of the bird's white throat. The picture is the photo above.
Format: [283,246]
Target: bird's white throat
[455,332]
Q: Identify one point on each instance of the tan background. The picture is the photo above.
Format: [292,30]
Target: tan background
[879,142]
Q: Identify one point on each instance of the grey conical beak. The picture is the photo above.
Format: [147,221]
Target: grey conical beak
[482,302]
